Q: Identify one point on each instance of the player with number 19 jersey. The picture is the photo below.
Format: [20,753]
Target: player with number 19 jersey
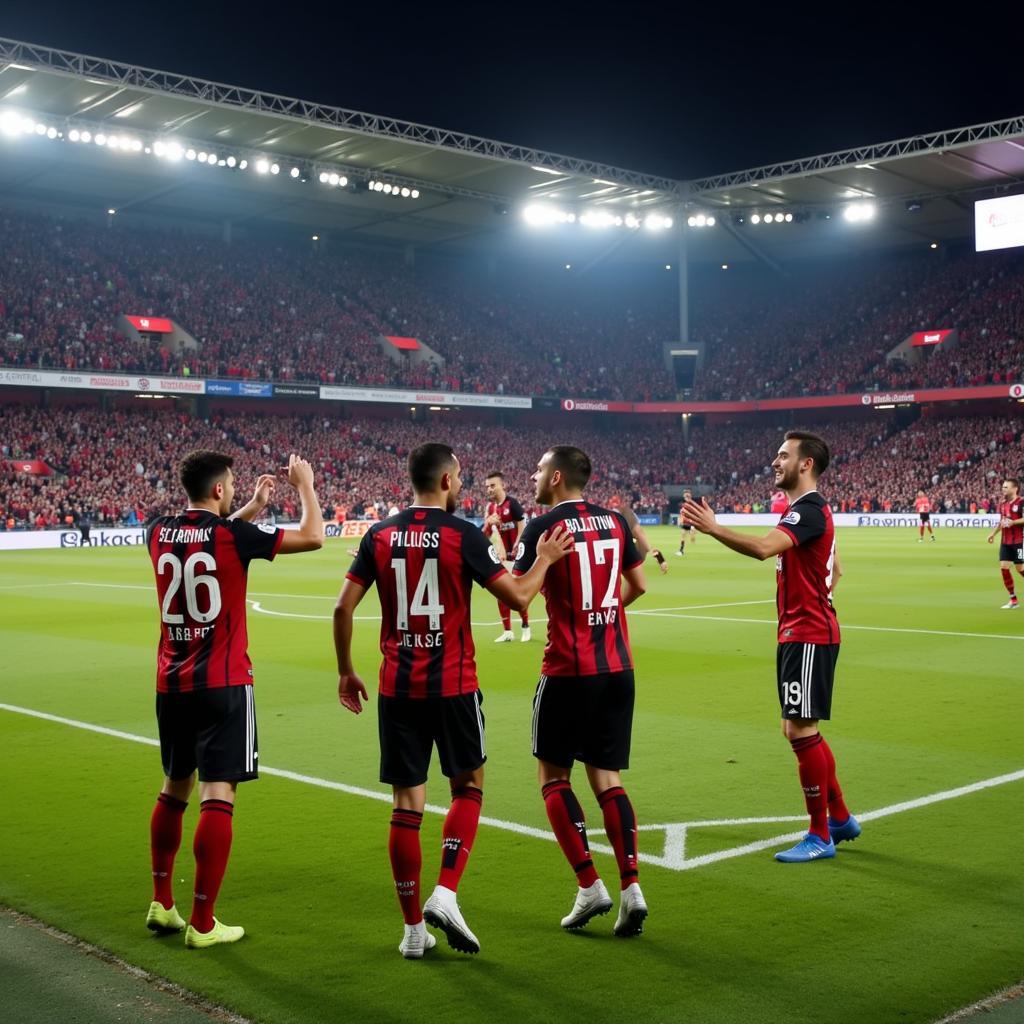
[424,562]
[587,631]
[201,563]
[804,572]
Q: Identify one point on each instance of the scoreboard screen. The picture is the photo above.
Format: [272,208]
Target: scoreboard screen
[999,223]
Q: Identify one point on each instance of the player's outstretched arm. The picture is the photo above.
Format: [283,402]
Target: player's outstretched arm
[518,591]
[351,691]
[703,518]
[260,499]
[310,534]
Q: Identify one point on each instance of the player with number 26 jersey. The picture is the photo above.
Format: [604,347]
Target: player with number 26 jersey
[201,562]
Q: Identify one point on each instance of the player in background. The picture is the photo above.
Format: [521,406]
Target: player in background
[807,568]
[1011,546]
[642,541]
[503,520]
[204,703]
[583,705]
[423,562]
[924,510]
[686,531]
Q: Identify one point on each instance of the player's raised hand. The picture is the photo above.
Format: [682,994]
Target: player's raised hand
[556,544]
[351,693]
[300,472]
[701,516]
[264,488]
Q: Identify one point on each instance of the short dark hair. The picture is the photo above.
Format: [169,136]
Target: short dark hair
[498,473]
[200,470]
[428,463]
[811,447]
[572,463]
[1012,480]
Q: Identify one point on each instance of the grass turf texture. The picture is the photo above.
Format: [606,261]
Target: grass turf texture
[918,917]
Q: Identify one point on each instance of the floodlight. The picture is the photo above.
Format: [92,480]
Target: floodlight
[934,245]
[789,218]
[711,221]
[51,132]
[190,154]
[342,181]
[725,266]
[415,193]
[387,189]
[332,178]
[632,221]
[136,145]
[405,192]
[262,166]
[231,161]
[40,129]
[769,218]
[159,148]
[324,177]
[73,135]
[755,218]
[700,220]
[100,140]
[86,136]
[294,172]
[111,211]
[243,164]
[668,266]
[691,222]
[174,151]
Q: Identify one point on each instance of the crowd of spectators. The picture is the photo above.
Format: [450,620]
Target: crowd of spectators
[272,311]
[121,466]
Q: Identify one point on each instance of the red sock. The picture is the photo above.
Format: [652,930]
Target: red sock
[1008,582]
[506,616]
[570,828]
[620,824]
[406,861]
[837,809]
[524,617]
[212,846]
[164,840]
[920,530]
[458,835]
[814,780]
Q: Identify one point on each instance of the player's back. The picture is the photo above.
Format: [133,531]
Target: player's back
[201,562]
[423,562]
[587,631]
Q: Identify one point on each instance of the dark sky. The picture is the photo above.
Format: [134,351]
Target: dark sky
[656,88]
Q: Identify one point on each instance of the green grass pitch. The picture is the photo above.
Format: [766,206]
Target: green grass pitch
[921,915]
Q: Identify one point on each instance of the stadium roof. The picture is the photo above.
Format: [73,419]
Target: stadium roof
[467,185]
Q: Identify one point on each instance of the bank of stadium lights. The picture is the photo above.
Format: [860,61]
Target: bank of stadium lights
[701,220]
[857,213]
[782,217]
[542,215]
[390,189]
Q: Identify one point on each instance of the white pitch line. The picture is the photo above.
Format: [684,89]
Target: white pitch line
[664,613]
[674,856]
[843,626]
[309,780]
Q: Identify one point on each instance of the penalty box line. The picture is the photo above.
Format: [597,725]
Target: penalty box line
[674,854]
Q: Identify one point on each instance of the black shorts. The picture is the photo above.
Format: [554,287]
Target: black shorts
[410,728]
[1011,553]
[212,730]
[584,718]
[805,675]
[926,517]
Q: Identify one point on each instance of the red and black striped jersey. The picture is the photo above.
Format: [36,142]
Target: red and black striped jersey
[587,631]
[423,562]
[804,573]
[201,563]
[510,512]
[1012,536]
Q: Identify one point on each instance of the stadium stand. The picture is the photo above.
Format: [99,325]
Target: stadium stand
[120,466]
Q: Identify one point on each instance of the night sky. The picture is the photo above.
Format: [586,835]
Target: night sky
[655,88]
